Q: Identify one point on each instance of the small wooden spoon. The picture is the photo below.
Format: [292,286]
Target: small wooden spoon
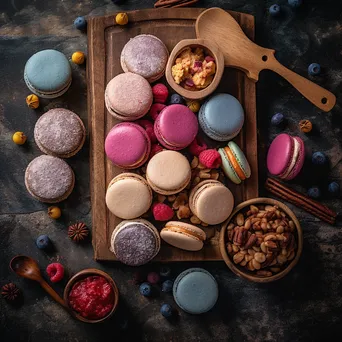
[240,52]
[26,267]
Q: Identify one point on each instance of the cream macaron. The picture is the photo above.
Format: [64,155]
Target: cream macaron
[168,172]
[183,235]
[211,201]
[128,196]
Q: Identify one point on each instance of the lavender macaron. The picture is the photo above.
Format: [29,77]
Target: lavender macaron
[145,55]
[60,133]
[128,97]
[49,179]
[135,242]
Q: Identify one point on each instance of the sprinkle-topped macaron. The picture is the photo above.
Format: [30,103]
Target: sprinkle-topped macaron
[60,133]
[127,145]
[221,117]
[128,97]
[48,74]
[145,55]
[168,172]
[49,179]
[176,127]
[135,243]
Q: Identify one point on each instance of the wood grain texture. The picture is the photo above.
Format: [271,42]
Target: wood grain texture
[105,42]
[240,52]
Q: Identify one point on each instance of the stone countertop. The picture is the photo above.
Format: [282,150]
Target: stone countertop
[304,306]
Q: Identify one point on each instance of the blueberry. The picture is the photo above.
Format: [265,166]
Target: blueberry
[319,158]
[334,188]
[278,119]
[167,286]
[295,3]
[274,10]
[314,69]
[166,310]
[165,271]
[80,23]
[145,289]
[43,242]
[314,192]
[176,99]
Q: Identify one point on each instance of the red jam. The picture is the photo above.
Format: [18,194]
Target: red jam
[92,297]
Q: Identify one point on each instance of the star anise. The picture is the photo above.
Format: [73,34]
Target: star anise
[10,291]
[78,232]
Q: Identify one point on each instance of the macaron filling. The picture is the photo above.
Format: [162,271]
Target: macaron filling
[236,166]
[293,161]
[185,231]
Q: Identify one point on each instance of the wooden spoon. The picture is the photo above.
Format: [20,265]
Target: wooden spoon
[26,267]
[240,52]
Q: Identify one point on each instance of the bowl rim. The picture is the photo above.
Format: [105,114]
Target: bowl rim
[81,275]
[219,59]
[245,275]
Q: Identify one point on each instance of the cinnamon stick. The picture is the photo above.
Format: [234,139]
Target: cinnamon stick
[174,3]
[313,207]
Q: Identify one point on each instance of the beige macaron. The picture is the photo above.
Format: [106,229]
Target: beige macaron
[183,235]
[211,201]
[168,172]
[128,196]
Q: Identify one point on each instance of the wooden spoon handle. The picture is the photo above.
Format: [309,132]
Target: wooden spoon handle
[320,97]
[52,293]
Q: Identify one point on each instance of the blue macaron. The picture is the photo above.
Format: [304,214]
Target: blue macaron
[195,291]
[48,74]
[221,117]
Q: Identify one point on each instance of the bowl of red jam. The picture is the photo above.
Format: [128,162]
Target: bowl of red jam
[91,295]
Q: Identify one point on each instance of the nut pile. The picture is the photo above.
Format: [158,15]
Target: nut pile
[262,240]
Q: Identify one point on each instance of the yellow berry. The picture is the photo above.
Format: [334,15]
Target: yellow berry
[194,106]
[121,18]
[78,57]
[19,138]
[32,101]
[54,212]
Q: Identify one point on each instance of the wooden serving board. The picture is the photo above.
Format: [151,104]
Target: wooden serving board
[105,42]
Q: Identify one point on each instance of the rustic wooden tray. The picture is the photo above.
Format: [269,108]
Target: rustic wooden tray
[105,42]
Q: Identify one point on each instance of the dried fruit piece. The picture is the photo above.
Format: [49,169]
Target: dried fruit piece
[78,232]
[10,292]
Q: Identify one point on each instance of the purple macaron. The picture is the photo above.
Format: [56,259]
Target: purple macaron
[286,156]
[135,243]
[176,127]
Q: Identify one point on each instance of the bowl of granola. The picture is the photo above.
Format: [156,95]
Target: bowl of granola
[195,68]
[262,240]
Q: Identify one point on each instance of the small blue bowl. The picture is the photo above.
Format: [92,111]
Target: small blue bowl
[48,74]
[221,117]
[195,291]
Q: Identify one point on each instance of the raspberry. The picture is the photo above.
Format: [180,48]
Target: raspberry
[155,110]
[55,271]
[148,126]
[197,146]
[155,148]
[210,159]
[160,93]
[162,212]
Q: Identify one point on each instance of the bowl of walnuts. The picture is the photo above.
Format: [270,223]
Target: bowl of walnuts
[262,240]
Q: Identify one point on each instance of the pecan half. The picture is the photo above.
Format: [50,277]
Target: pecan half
[251,241]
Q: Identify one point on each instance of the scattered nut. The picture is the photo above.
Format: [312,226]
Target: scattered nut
[240,220]
[201,166]
[214,175]
[183,212]
[204,175]
[194,162]
[196,181]
[171,198]
[204,224]
[161,198]
[195,220]
[181,199]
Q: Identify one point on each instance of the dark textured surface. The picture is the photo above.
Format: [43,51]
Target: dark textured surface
[304,306]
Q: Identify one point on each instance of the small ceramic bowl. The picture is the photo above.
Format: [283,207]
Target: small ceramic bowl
[80,276]
[241,271]
[212,50]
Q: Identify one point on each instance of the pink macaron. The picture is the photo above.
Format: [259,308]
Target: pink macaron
[128,97]
[176,127]
[286,156]
[127,145]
